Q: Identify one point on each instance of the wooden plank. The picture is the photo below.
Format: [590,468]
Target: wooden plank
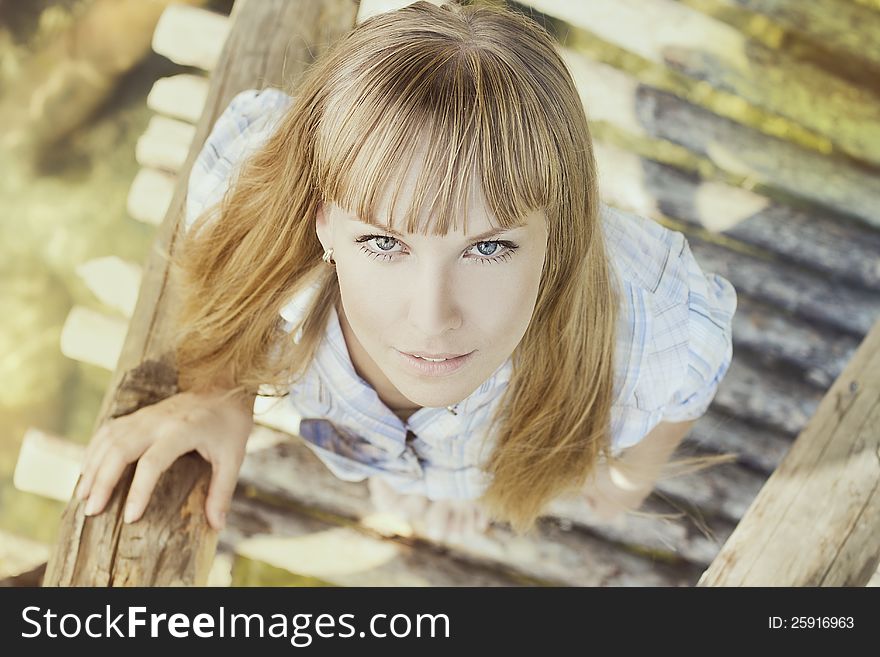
[92,337]
[113,281]
[742,218]
[813,353]
[150,195]
[672,35]
[766,397]
[816,522]
[47,465]
[165,144]
[341,554]
[791,288]
[191,36]
[290,471]
[644,115]
[760,449]
[271,42]
[180,96]
[837,25]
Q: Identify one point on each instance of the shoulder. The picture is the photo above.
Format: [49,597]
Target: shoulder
[675,329]
[245,123]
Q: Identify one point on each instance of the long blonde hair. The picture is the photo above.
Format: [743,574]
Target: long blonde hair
[485,86]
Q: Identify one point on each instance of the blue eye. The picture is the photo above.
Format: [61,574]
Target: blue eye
[384,244]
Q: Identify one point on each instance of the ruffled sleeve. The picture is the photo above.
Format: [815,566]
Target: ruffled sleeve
[711,305]
[683,348]
[244,125]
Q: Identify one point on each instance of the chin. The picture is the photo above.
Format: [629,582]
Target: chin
[436,395]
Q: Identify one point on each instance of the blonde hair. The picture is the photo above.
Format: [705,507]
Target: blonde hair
[486,88]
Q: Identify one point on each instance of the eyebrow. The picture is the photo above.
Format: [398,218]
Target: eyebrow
[477,238]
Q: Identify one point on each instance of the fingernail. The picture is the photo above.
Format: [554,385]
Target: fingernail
[128,517]
[91,506]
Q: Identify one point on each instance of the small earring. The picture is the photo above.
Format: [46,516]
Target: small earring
[328,257]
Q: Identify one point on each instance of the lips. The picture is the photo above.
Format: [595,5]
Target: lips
[425,354]
[427,367]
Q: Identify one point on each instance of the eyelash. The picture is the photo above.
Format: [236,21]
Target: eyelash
[508,245]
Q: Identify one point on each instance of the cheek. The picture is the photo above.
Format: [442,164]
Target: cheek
[371,298]
[500,305]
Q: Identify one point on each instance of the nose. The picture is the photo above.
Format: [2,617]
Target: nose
[433,308]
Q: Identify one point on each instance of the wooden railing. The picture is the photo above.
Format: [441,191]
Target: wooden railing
[174,544]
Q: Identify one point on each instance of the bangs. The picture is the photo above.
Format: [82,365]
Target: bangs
[459,125]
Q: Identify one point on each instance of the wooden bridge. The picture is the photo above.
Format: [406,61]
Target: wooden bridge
[752,126]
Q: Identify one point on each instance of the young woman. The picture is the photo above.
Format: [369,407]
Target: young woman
[411,248]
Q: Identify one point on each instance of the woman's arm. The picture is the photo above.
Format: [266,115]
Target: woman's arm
[625,485]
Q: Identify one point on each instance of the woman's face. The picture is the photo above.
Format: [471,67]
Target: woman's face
[457,294]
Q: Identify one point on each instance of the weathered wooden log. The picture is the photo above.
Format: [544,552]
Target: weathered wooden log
[791,288]
[775,338]
[758,448]
[766,397]
[650,120]
[841,26]
[267,38]
[686,41]
[816,522]
[721,491]
[810,238]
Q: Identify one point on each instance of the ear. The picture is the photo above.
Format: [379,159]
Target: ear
[322,227]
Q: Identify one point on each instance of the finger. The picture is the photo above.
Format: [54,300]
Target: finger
[224,476]
[114,461]
[152,463]
[96,441]
[109,443]
[92,459]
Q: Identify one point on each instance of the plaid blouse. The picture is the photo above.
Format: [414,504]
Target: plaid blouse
[674,345]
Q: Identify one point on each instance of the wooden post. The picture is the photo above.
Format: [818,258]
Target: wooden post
[270,43]
[816,522]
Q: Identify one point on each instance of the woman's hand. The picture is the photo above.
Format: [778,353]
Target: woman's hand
[210,423]
[614,491]
[442,519]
